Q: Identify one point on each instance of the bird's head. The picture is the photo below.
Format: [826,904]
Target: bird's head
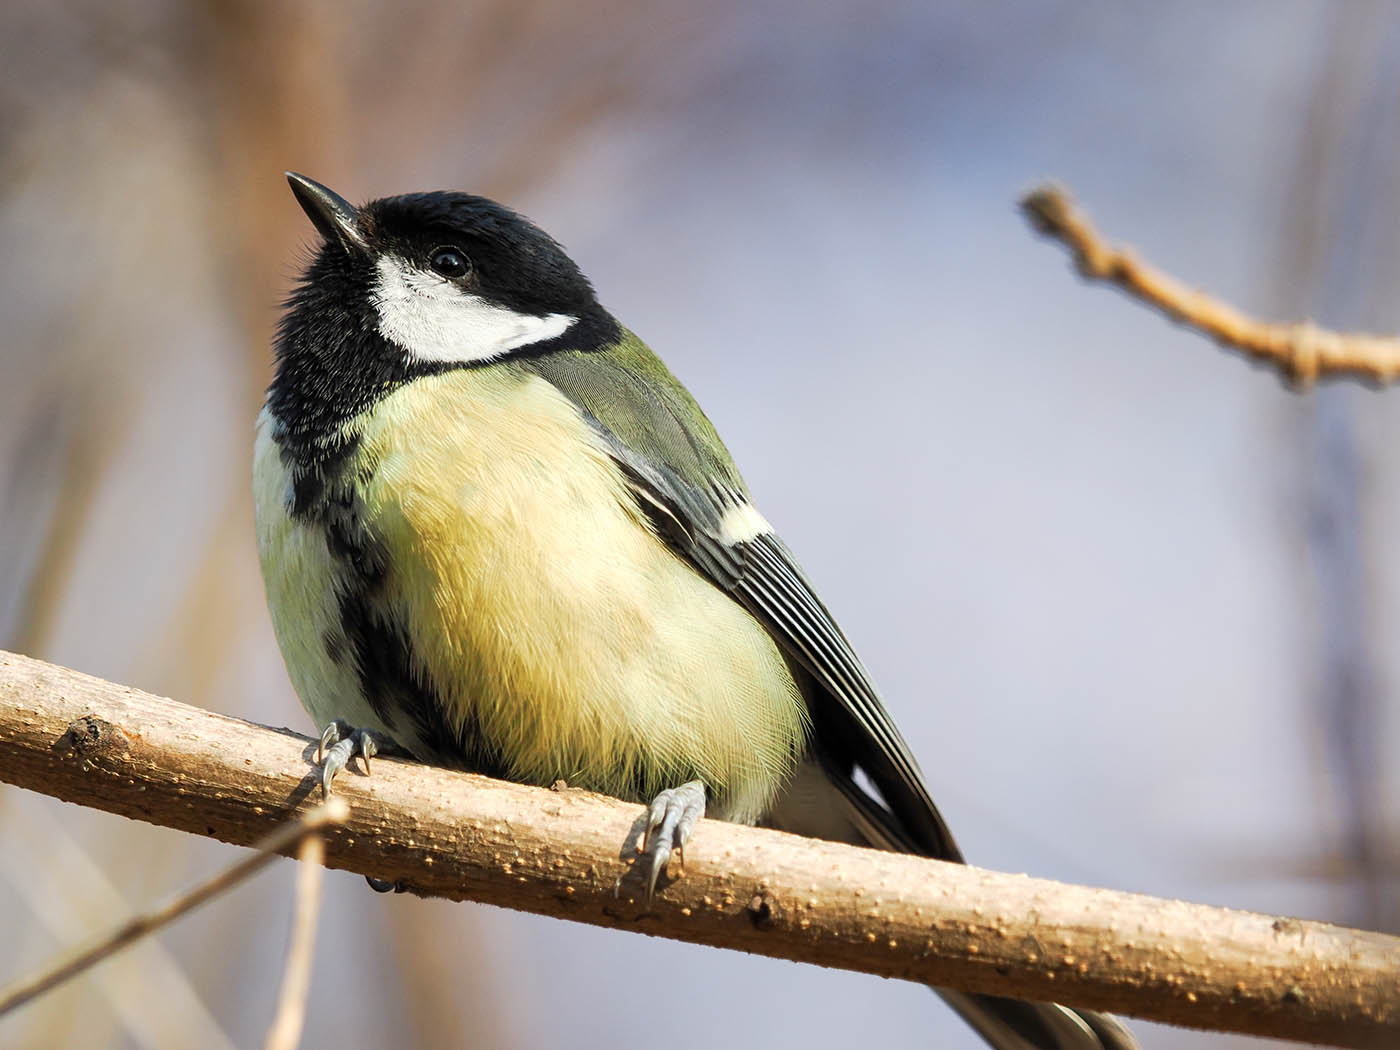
[446,278]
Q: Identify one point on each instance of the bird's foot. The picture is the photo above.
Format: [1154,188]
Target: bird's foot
[340,742]
[669,822]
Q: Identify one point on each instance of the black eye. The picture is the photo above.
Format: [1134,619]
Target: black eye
[449,263]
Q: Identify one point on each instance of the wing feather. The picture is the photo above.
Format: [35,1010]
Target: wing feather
[686,484]
[851,723]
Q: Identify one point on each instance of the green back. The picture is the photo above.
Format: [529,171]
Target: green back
[633,394]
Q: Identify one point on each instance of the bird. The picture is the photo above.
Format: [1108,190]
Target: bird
[497,534]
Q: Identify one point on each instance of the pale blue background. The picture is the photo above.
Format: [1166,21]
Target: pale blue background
[1086,554]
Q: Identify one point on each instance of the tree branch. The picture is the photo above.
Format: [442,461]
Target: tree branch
[558,853]
[1302,352]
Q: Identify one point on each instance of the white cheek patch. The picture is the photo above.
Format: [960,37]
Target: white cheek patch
[433,320]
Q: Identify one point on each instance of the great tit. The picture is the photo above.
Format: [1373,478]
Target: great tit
[496,531]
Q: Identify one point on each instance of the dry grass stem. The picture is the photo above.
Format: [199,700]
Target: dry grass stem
[285,1032]
[22,990]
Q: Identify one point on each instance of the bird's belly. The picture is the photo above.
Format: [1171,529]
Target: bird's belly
[552,633]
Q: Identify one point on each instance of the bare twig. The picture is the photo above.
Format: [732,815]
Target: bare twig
[20,991]
[557,853]
[285,1032]
[1302,352]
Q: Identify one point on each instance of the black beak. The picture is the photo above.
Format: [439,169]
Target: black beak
[332,214]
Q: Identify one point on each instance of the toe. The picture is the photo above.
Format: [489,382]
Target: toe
[337,758]
[329,736]
[656,817]
[671,818]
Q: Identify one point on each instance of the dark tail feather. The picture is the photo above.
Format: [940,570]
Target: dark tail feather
[828,805]
[1014,1024]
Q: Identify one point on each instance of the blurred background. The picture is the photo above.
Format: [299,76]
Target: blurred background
[1133,602]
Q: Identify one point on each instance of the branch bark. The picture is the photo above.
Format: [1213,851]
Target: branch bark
[1302,352]
[560,853]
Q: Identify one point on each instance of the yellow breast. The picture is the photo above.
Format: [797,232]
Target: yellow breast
[547,614]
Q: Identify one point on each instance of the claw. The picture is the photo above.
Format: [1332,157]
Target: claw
[340,742]
[670,819]
[337,758]
[338,729]
[369,747]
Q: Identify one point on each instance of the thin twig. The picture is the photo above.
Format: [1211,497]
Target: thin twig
[1301,352]
[18,992]
[285,1032]
[558,853]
